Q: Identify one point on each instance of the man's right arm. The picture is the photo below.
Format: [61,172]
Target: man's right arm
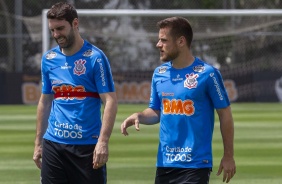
[147,117]
[43,112]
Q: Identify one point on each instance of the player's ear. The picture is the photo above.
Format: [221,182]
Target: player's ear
[181,41]
[75,23]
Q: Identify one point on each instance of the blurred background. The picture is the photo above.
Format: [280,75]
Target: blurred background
[245,48]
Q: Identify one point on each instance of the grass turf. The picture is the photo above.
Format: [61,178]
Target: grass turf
[258,146]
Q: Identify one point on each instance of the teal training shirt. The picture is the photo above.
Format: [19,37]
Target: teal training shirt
[187,99]
[75,120]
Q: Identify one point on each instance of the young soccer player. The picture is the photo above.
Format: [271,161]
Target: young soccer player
[76,79]
[184,93]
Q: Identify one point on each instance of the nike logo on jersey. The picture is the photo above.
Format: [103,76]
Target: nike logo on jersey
[163,80]
[53,68]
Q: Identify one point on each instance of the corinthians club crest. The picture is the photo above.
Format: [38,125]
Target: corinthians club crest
[191,81]
[79,68]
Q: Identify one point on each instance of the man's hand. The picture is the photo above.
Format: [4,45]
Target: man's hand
[228,165]
[37,155]
[100,155]
[131,120]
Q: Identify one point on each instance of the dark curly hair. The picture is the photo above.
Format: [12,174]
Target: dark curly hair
[62,11]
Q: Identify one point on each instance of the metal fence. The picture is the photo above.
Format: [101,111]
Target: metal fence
[245,48]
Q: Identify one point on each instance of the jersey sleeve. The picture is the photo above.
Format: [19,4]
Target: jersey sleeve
[46,85]
[103,75]
[216,90]
[154,99]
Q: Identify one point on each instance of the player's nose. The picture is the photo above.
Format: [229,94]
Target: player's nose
[56,34]
[159,44]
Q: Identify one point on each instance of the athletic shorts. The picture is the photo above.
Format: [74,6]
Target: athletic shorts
[165,175]
[70,164]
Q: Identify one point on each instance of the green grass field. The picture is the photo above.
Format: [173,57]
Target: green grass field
[258,146]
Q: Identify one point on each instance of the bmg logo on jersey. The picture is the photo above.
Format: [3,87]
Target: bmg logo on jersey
[178,107]
[69,88]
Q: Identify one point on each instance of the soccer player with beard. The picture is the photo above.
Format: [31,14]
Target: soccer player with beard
[71,144]
[185,91]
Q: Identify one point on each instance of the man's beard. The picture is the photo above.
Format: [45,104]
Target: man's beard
[69,40]
[171,56]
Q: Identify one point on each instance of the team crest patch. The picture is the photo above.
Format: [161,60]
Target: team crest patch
[88,53]
[51,55]
[162,69]
[199,68]
[79,68]
[191,81]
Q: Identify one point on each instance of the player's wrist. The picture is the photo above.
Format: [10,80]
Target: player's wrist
[103,141]
[228,155]
[38,142]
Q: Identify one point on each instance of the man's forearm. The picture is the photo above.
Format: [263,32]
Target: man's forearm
[43,112]
[227,131]
[108,121]
[149,117]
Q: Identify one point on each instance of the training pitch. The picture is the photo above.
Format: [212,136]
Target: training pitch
[258,146]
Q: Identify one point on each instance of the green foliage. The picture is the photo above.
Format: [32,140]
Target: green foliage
[258,128]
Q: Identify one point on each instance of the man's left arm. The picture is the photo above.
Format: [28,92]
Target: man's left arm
[227,131]
[101,151]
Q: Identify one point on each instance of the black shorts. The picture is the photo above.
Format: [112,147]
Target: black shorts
[70,164]
[165,175]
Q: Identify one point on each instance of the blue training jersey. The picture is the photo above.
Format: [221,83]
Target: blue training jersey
[75,120]
[187,99]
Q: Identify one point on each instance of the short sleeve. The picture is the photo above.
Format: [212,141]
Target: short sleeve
[154,98]
[216,90]
[46,84]
[103,75]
